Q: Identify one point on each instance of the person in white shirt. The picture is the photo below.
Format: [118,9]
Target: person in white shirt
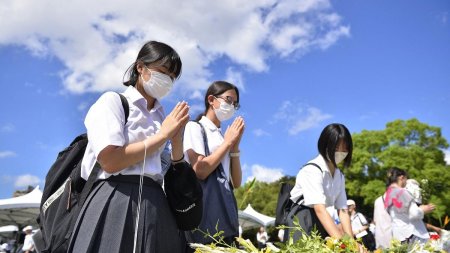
[28,244]
[360,226]
[215,158]
[124,152]
[320,185]
[383,224]
[407,224]
[261,238]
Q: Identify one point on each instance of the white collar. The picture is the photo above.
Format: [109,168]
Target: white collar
[319,160]
[134,96]
[209,124]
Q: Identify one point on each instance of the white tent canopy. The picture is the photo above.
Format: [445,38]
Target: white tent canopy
[22,210]
[249,218]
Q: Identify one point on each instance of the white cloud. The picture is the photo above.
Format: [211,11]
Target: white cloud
[235,77]
[5,154]
[447,156]
[7,128]
[300,117]
[83,106]
[444,17]
[264,174]
[259,132]
[26,180]
[97,44]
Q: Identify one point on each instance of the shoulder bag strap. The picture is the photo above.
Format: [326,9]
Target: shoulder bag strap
[359,218]
[205,139]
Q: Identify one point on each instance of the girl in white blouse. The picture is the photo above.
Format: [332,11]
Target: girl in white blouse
[126,151]
[215,158]
[320,186]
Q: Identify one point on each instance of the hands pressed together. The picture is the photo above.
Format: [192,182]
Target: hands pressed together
[234,133]
[172,127]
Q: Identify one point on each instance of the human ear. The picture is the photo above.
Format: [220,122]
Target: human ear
[211,100]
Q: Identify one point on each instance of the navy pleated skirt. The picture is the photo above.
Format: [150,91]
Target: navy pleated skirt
[107,220]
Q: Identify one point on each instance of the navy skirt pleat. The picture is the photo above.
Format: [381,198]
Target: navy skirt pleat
[107,220]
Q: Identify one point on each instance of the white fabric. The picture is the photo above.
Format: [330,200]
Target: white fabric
[334,214]
[193,140]
[249,218]
[105,126]
[318,187]
[28,243]
[405,225]
[407,220]
[358,221]
[261,237]
[21,210]
[383,224]
[414,188]
[281,235]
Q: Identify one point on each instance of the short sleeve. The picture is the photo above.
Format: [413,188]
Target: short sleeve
[105,122]
[311,181]
[193,139]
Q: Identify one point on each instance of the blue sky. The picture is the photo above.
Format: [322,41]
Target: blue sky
[300,65]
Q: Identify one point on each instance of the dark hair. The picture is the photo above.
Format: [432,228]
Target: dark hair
[154,53]
[329,140]
[393,174]
[217,88]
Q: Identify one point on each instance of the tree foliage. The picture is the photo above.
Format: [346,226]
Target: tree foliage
[262,196]
[407,144]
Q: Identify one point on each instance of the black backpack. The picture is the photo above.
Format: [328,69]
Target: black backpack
[64,194]
[284,203]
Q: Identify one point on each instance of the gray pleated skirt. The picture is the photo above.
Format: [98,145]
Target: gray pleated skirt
[106,221]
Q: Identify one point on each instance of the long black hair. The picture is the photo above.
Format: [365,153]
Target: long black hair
[154,53]
[329,139]
[217,88]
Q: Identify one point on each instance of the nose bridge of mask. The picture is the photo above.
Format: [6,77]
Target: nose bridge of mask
[339,156]
[225,106]
[161,78]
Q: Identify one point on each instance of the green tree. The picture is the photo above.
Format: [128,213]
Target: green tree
[262,196]
[408,144]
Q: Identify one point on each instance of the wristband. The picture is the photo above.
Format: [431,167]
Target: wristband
[235,154]
[179,160]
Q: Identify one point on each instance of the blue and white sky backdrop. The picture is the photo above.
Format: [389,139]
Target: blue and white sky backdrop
[300,65]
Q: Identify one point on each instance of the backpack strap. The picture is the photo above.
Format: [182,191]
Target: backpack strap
[93,176]
[315,165]
[126,107]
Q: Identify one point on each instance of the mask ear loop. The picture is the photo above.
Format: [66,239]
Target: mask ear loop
[141,179]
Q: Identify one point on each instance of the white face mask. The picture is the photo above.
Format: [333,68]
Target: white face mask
[159,84]
[340,156]
[224,112]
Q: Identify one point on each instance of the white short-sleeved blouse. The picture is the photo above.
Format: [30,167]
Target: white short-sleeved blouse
[193,139]
[105,126]
[320,187]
